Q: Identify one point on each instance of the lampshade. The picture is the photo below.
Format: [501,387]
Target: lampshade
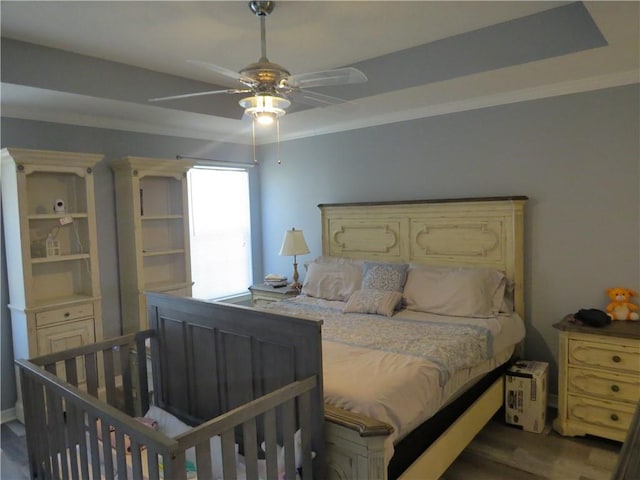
[265,109]
[293,243]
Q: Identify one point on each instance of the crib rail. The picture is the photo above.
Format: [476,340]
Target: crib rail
[78,419]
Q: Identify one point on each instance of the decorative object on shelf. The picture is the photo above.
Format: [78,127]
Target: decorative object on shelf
[52,246]
[58,205]
[621,307]
[293,245]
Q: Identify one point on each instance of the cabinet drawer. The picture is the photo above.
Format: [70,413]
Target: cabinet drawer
[618,357]
[618,387]
[64,314]
[612,415]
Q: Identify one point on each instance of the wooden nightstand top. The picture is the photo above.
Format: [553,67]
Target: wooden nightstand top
[617,328]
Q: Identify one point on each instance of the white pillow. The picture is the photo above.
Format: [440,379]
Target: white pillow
[459,292]
[332,281]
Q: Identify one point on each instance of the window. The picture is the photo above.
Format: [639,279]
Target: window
[220,231]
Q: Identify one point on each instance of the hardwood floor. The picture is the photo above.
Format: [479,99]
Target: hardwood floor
[499,452]
[502,451]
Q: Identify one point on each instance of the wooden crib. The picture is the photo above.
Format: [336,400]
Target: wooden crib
[81,404]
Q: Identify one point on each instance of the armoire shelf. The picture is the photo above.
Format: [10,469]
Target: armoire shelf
[153,232]
[51,249]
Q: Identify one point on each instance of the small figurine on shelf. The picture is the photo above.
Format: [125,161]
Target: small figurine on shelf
[621,307]
[52,246]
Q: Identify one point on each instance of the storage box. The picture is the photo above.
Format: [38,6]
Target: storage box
[525,392]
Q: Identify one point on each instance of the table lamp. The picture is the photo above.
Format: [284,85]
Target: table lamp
[293,244]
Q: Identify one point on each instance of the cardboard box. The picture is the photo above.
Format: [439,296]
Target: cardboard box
[525,392]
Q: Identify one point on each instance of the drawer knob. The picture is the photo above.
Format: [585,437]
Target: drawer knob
[615,388]
[66,314]
[614,417]
[616,359]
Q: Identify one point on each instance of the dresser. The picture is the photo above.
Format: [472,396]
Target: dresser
[598,378]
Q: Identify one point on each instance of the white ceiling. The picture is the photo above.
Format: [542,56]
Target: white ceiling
[303,36]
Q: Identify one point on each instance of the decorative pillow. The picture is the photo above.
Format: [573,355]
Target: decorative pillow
[332,281]
[382,302]
[384,276]
[459,292]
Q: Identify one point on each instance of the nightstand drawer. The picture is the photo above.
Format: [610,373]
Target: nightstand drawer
[601,413]
[611,386]
[593,354]
[59,315]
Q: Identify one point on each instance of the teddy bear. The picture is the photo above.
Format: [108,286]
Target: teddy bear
[621,307]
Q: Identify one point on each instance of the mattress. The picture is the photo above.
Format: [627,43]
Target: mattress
[403,390]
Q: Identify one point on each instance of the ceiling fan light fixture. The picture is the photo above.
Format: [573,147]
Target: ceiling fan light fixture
[265,109]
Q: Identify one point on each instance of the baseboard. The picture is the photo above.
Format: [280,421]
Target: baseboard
[8,415]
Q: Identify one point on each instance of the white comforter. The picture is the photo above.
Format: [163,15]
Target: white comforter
[402,390]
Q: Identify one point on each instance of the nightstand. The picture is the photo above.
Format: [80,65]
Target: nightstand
[598,378]
[262,294]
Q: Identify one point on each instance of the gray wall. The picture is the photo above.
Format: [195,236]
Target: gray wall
[576,157]
[113,144]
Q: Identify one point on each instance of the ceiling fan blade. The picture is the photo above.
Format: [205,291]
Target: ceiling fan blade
[323,78]
[225,72]
[314,99]
[198,94]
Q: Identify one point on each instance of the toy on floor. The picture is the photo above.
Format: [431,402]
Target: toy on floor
[621,307]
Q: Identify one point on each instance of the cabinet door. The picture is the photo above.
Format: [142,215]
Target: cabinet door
[65,336]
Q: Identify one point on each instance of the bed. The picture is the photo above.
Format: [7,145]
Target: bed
[364,427]
[209,391]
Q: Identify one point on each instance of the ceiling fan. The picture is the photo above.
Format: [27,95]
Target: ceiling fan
[271,85]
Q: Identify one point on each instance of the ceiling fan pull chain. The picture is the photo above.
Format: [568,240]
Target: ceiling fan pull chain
[253,139]
[278,140]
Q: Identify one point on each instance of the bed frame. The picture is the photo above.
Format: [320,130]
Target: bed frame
[207,370]
[484,232]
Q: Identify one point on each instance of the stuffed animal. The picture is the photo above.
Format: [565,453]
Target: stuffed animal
[621,307]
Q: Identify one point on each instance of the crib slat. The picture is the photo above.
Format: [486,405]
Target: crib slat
[120,453]
[106,449]
[31,422]
[228,454]
[82,442]
[250,435]
[52,432]
[136,461]
[304,422]
[203,460]
[91,373]
[72,440]
[70,367]
[109,376]
[288,432]
[127,385]
[143,375]
[42,440]
[174,466]
[93,445]
[271,442]
[152,462]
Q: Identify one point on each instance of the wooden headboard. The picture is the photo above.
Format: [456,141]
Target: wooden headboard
[482,232]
